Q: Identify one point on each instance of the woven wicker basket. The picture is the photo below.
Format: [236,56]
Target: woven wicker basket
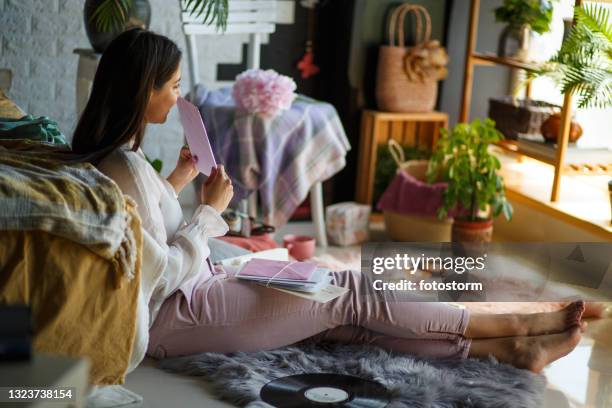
[514,116]
[413,227]
[395,91]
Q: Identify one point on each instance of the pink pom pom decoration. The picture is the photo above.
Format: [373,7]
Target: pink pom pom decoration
[263,93]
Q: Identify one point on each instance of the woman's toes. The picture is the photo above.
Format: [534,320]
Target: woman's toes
[574,312]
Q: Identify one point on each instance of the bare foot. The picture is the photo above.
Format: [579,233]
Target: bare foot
[594,310]
[554,322]
[535,353]
[531,353]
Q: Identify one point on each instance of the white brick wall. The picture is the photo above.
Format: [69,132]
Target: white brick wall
[37,39]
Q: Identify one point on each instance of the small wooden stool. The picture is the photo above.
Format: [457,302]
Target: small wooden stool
[414,129]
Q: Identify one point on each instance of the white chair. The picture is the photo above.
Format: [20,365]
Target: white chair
[255,18]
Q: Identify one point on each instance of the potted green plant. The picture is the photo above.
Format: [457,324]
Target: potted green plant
[583,65]
[105,19]
[521,17]
[462,159]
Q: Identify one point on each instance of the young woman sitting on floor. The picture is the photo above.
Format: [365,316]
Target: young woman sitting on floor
[188,307]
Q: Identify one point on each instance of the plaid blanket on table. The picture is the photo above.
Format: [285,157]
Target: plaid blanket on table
[281,158]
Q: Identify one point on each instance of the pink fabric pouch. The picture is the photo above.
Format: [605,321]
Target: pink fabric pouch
[408,195]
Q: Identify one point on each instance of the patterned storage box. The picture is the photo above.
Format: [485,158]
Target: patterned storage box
[347,223]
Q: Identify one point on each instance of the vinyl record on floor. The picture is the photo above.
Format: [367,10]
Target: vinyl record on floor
[324,390]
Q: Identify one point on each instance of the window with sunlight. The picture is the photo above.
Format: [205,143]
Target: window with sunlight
[596,123]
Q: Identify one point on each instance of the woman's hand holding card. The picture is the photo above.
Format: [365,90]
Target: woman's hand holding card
[218,190]
[184,172]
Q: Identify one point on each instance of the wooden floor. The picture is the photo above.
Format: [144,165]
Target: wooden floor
[582,379]
[584,376]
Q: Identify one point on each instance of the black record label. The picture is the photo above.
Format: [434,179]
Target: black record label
[324,390]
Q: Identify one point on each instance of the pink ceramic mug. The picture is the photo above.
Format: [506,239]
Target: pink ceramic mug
[300,247]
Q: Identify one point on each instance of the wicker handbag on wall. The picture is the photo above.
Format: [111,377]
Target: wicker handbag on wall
[407,77]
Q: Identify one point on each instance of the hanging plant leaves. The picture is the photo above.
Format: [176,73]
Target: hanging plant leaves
[583,65]
[112,15]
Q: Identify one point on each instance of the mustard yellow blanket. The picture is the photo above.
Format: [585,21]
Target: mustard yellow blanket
[70,247]
[8,109]
[74,201]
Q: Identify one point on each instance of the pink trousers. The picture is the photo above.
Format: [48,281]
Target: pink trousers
[224,314]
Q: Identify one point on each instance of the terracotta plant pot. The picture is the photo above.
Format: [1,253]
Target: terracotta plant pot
[550,129]
[471,238]
[514,116]
[472,231]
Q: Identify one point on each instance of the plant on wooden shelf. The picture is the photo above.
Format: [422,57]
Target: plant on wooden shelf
[522,17]
[462,159]
[583,65]
[537,14]
[105,19]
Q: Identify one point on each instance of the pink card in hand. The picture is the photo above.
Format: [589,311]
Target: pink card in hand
[267,268]
[196,136]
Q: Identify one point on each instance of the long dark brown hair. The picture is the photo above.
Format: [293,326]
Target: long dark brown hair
[135,63]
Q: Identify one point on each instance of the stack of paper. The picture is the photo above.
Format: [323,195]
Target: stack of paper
[327,292]
[290,275]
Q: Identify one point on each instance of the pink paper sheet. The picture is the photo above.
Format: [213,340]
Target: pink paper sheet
[196,136]
[268,268]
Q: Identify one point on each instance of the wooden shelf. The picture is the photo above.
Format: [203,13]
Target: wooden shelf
[490,59]
[473,58]
[432,116]
[418,129]
[578,161]
[514,146]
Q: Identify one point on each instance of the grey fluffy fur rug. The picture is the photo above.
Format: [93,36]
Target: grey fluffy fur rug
[416,383]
